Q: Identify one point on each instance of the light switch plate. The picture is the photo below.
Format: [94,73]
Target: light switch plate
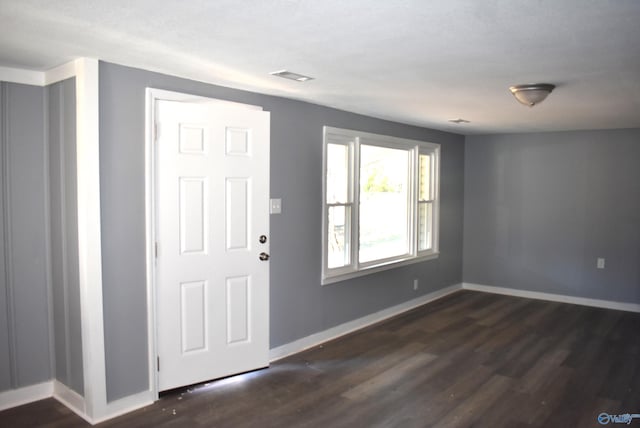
[275,206]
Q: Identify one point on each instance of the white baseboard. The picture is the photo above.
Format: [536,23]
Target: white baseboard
[597,303]
[125,405]
[351,326]
[76,403]
[71,399]
[25,395]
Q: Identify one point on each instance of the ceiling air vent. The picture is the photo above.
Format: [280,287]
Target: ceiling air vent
[285,74]
[459,121]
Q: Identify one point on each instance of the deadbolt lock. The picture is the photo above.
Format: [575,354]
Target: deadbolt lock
[262,239]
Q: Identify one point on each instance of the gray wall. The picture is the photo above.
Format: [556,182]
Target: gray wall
[300,306]
[541,208]
[65,284]
[25,357]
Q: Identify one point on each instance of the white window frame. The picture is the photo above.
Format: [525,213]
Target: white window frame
[353,140]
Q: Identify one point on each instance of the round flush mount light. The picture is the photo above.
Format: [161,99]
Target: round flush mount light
[531,94]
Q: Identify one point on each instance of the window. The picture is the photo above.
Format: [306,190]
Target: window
[380,207]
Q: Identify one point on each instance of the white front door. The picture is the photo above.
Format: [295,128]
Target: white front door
[212,216]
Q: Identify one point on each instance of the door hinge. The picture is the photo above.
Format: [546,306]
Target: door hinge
[158,362]
[155,249]
[156,132]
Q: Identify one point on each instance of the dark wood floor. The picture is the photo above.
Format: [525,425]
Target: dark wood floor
[469,359]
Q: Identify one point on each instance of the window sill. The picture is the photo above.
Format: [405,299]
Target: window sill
[326,280]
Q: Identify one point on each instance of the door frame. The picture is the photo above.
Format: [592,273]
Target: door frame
[152,95]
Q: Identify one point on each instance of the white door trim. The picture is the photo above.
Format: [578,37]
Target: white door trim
[152,96]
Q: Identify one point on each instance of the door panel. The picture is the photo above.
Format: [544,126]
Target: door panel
[212,194]
[237,215]
[193,316]
[193,218]
[238,309]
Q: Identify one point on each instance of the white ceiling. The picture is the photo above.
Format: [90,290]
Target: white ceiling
[414,61]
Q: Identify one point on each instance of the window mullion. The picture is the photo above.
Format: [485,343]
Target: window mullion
[414,175]
[355,213]
[435,196]
[325,207]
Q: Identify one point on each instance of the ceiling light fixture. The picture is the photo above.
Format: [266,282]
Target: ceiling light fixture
[531,93]
[291,76]
[459,121]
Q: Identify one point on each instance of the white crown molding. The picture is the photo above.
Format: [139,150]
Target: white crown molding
[584,301]
[18,75]
[41,78]
[63,72]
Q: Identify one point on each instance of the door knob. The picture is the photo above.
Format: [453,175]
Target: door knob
[264,256]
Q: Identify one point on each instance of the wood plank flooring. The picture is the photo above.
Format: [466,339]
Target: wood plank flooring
[469,359]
